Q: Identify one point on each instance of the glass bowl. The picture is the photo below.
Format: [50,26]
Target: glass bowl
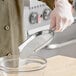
[15,66]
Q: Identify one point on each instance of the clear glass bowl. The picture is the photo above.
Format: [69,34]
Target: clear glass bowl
[15,66]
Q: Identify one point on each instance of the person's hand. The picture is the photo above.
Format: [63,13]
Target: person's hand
[61,16]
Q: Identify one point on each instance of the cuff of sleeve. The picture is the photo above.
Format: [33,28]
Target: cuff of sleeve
[70,1]
[61,3]
[61,0]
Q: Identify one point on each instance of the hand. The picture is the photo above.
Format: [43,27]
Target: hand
[61,16]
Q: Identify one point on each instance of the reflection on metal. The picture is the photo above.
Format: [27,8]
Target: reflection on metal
[55,46]
[35,43]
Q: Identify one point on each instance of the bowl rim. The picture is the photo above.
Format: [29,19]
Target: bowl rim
[42,62]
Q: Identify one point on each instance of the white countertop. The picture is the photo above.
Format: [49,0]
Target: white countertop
[61,66]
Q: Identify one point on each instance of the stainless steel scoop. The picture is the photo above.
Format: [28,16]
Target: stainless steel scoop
[35,43]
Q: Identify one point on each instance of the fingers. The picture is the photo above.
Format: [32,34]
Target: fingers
[58,24]
[63,23]
[71,21]
[67,22]
[53,21]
